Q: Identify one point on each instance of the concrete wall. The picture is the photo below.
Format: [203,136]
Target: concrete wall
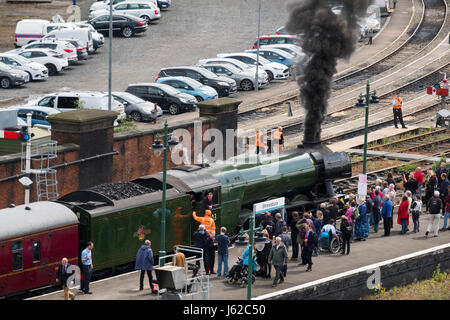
[355,284]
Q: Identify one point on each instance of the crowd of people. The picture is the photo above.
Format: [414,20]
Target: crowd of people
[429,193]
[300,234]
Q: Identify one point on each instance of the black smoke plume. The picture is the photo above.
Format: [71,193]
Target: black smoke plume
[325,37]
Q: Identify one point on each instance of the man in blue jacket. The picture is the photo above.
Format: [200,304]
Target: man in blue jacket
[144,262]
[386,213]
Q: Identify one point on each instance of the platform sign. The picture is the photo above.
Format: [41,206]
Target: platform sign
[269,205]
[362,186]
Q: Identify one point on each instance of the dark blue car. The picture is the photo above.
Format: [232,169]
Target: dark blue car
[164,4]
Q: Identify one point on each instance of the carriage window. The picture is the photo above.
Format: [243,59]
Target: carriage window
[36,251]
[17,256]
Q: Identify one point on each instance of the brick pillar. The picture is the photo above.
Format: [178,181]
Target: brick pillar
[225,112]
[93,131]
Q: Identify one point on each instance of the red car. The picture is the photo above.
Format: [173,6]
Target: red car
[34,238]
[276,39]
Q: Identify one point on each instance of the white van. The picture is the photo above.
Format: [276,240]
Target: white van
[29,30]
[68,101]
[82,34]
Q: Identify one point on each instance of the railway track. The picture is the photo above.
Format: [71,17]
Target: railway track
[349,185]
[404,83]
[431,141]
[431,23]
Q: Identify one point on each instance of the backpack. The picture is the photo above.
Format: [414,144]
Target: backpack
[315,238]
[355,214]
[435,205]
[349,228]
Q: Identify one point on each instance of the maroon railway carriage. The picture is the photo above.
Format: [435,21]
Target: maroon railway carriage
[33,240]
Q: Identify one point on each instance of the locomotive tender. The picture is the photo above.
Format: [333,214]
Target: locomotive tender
[117,217]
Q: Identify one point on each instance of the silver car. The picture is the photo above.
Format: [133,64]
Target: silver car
[137,108]
[35,70]
[10,77]
[236,63]
[245,79]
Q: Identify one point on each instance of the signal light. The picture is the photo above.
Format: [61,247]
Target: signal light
[24,135]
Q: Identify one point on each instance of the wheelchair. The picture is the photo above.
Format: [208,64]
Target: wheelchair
[333,246]
[239,274]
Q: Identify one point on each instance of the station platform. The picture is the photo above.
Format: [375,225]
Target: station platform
[375,249]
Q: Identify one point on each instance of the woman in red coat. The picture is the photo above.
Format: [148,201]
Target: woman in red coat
[403,215]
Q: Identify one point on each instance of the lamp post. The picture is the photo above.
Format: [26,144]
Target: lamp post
[257,46]
[110,53]
[260,240]
[157,149]
[360,103]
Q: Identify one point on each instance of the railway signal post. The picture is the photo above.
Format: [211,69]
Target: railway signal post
[24,135]
[371,97]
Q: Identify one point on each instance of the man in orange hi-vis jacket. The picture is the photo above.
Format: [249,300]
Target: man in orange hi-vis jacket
[278,136]
[397,104]
[207,222]
[259,142]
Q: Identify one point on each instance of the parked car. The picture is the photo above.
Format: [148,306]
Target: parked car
[294,50]
[38,114]
[275,55]
[98,40]
[68,101]
[126,25]
[84,35]
[245,79]
[223,85]
[137,108]
[49,58]
[281,30]
[277,39]
[164,4]
[190,86]
[64,48]
[167,97]
[144,10]
[35,70]
[102,5]
[10,77]
[274,70]
[82,53]
[236,63]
